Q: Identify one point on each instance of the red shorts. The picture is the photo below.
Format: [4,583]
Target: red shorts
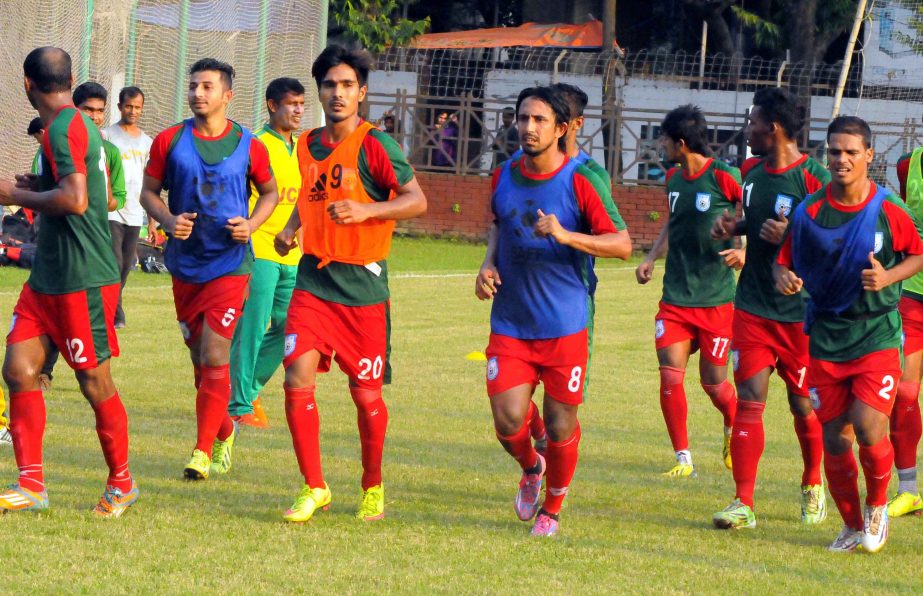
[80,324]
[559,363]
[217,303]
[912,318]
[357,337]
[872,379]
[709,328]
[759,343]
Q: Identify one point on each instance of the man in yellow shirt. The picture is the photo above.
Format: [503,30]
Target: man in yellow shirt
[257,347]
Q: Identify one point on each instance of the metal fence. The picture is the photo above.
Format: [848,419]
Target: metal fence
[624,136]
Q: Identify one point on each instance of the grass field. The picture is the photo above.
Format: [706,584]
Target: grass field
[450,486]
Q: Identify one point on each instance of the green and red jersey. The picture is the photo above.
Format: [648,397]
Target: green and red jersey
[592,193]
[212,150]
[74,252]
[116,173]
[913,197]
[766,194]
[695,274]
[872,323]
[383,170]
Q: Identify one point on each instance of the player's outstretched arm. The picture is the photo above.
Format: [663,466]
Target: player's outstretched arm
[68,198]
[178,226]
[488,280]
[645,270]
[408,202]
[877,278]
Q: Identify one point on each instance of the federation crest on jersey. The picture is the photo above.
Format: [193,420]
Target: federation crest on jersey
[659,329]
[12,325]
[783,205]
[702,201]
[290,340]
[814,398]
[879,241]
[735,359]
[493,369]
[184,329]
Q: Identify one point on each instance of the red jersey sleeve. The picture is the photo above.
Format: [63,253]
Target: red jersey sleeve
[591,205]
[785,252]
[748,165]
[729,185]
[905,235]
[157,158]
[811,183]
[386,161]
[260,171]
[903,166]
[495,179]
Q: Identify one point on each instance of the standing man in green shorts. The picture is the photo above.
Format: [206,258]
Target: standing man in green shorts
[256,350]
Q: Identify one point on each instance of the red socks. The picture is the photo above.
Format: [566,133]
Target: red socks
[211,404]
[811,438]
[519,445]
[876,465]
[562,462]
[536,424]
[112,430]
[27,425]
[673,405]
[724,397]
[747,442]
[304,424]
[843,484]
[372,419]
[906,426]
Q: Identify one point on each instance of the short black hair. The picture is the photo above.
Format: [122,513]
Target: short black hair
[334,55]
[851,125]
[49,68]
[782,107]
[277,88]
[554,100]
[36,125]
[509,110]
[687,123]
[226,70]
[574,96]
[130,93]
[89,90]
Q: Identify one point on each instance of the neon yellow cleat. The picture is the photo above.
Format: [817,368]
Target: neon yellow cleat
[221,453]
[197,468]
[735,516]
[308,501]
[726,450]
[681,470]
[373,503]
[905,503]
[813,504]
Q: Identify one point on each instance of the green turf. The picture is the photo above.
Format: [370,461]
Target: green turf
[450,486]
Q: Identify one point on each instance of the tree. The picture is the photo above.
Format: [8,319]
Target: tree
[719,34]
[375,24]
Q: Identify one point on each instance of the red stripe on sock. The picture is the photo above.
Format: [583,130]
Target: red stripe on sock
[673,405]
[211,404]
[112,430]
[27,426]
[843,483]
[561,459]
[810,435]
[747,442]
[304,424]
[906,425]
[876,462]
[372,420]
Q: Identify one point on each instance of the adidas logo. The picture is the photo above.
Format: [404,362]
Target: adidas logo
[319,190]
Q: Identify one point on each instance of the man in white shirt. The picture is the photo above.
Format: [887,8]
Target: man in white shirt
[125,223]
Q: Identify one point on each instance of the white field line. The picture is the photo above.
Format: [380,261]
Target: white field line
[408,275]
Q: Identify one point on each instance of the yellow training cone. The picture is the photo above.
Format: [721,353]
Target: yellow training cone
[476,356]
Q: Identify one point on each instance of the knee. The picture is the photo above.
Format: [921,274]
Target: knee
[20,376]
[799,405]
[869,434]
[746,393]
[214,354]
[507,423]
[560,428]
